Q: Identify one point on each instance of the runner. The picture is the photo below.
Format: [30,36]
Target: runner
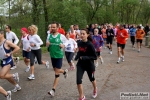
[11,36]
[26,47]
[35,43]
[104,35]
[85,56]
[139,37]
[110,36]
[56,44]
[132,32]
[7,61]
[98,43]
[70,48]
[121,37]
[7,94]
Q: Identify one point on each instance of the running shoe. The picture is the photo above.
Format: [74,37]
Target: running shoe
[122,58]
[17,60]
[94,93]
[110,52]
[102,61]
[16,77]
[118,61]
[96,65]
[82,98]
[27,69]
[66,74]
[8,97]
[47,64]
[14,67]
[17,88]
[31,77]
[51,92]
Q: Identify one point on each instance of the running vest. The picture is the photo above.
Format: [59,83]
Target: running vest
[54,48]
[3,51]
[25,42]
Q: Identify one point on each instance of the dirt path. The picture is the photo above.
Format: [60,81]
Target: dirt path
[132,75]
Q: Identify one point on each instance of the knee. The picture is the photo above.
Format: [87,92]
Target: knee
[92,79]
[56,75]
[27,59]
[2,76]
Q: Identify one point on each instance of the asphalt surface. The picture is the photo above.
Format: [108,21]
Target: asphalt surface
[132,75]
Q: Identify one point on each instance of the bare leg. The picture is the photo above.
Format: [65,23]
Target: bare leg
[80,90]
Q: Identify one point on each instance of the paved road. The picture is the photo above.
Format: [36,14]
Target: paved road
[133,75]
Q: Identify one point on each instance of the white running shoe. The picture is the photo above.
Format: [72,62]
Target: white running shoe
[8,97]
[31,77]
[16,77]
[17,88]
[110,52]
[14,67]
[47,64]
[118,61]
[51,92]
[27,69]
[94,93]
[17,60]
[96,65]
[66,74]
[122,58]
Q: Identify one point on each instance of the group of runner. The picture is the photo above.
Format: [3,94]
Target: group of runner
[84,46]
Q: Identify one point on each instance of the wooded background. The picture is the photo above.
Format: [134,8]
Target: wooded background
[82,12]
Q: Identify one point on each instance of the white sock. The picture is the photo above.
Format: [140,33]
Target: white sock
[14,75]
[32,75]
[17,85]
[29,66]
[119,59]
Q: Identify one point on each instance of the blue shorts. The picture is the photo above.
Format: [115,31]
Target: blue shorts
[7,61]
[26,54]
[56,62]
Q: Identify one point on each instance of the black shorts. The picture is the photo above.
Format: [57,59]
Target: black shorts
[69,56]
[121,45]
[139,40]
[56,62]
[26,54]
[98,53]
[109,40]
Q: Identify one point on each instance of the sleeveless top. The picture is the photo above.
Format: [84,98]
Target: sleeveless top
[54,48]
[3,51]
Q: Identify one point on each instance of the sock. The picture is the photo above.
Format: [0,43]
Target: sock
[32,75]
[108,47]
[29,66]
[119,59]
[13,75]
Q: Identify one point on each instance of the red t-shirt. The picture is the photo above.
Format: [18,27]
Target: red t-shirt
[61,31]
[121,36]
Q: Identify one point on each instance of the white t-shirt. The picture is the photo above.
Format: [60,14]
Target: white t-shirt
[12,36]
[25,42]
[35,39]
[70,45]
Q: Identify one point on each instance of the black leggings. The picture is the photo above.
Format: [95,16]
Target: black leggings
[80,72]
[69,56]
[37,54]
[132,38]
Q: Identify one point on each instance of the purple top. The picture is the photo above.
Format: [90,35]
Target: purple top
[97,42]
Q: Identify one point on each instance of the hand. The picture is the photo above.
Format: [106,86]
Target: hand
[62,46]
[81,58]
[28,50]
[8,54]
[47,44]
[32,44]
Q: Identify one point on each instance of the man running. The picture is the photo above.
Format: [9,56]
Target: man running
[56,44]
[121,37]
[7,61]
[11,36]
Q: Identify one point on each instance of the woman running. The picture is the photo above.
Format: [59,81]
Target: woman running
[35,43]
[85,56]
[69,50]
[26,47]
